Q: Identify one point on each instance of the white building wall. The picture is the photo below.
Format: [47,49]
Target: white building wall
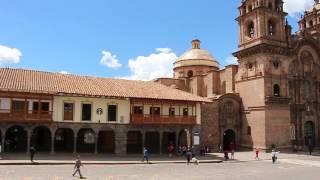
[123,109]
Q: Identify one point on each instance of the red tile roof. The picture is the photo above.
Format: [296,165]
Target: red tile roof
[22,80]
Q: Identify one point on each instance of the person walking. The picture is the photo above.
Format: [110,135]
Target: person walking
[274,154]
[188,156]
[0,151]
[32,153]
[232,154]
[257,150]
[77,166]
[310,147]
[145,155]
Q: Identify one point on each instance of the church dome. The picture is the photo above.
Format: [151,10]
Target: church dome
[196,57]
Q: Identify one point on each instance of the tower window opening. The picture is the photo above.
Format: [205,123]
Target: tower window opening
[270,5]
[250,8]
[310,23]
[276,64]
[276,90]
[250,30]
[271,28]
[190,74]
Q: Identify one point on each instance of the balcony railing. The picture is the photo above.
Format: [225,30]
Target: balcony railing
[162,119]
[21,116]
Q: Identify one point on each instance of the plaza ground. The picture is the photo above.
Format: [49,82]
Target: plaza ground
[289,167]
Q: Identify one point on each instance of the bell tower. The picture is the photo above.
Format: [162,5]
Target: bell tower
[264,50]
[262,22]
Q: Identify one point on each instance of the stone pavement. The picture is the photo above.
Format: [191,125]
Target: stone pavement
[67,159]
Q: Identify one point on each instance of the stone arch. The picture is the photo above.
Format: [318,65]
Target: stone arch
[309,133]
[229,140]
[272,27]
[184,138]
[152,142]
[64,140]
[250,31]
[276,90]
[86,140]
[134,142]
[106,141]
[41,139]
[16,139]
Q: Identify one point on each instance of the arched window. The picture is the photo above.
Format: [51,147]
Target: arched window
[250,30]
[271,28]
[250,8]
[270,6]
[276,90]
[190,74]
[311,23]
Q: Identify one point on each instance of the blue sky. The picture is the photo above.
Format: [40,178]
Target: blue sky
[74,35]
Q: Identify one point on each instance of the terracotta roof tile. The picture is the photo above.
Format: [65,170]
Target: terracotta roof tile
[53,83]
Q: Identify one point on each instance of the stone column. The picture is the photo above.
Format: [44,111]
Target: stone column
[177,139]
[29,134]
[120,140]
[3,138]
[75,144]
[143,137]
[161,135]
[96,144]
[52,140]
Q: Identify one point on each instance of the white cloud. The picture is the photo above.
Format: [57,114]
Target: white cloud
[295,7]
[231,60]
[64,72]
[9,55]
[110,60]
[155,65]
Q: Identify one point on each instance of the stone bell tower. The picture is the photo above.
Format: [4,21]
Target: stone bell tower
[264,48]
[262,22]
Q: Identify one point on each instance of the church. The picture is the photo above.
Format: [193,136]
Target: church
[272,96]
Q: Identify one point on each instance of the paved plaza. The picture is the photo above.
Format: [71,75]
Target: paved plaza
[289,167]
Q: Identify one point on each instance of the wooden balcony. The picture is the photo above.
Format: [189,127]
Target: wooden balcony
[162,119]
[7,115]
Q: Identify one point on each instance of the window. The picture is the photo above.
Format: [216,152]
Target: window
[138,110]
[185,112]
[310,23]
[68,111]
[250,30]
[44,107]
[18,106]
[112,113]
[250,66]
[276,64]
[172,111]
[155,111]
[86,112]
[276,90]
[190,74]
[270,5]
[249,130]
[271,28]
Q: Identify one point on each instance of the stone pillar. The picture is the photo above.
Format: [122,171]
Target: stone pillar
[75,144]
[3,138]
[120,141]
[161,136]
[52,145]
[177,139]
[96,144]
[29,134]
[52,140]
[143,137]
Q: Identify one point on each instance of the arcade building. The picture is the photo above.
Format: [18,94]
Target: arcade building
[80,114]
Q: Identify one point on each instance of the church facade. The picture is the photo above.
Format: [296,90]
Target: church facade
[272,96]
